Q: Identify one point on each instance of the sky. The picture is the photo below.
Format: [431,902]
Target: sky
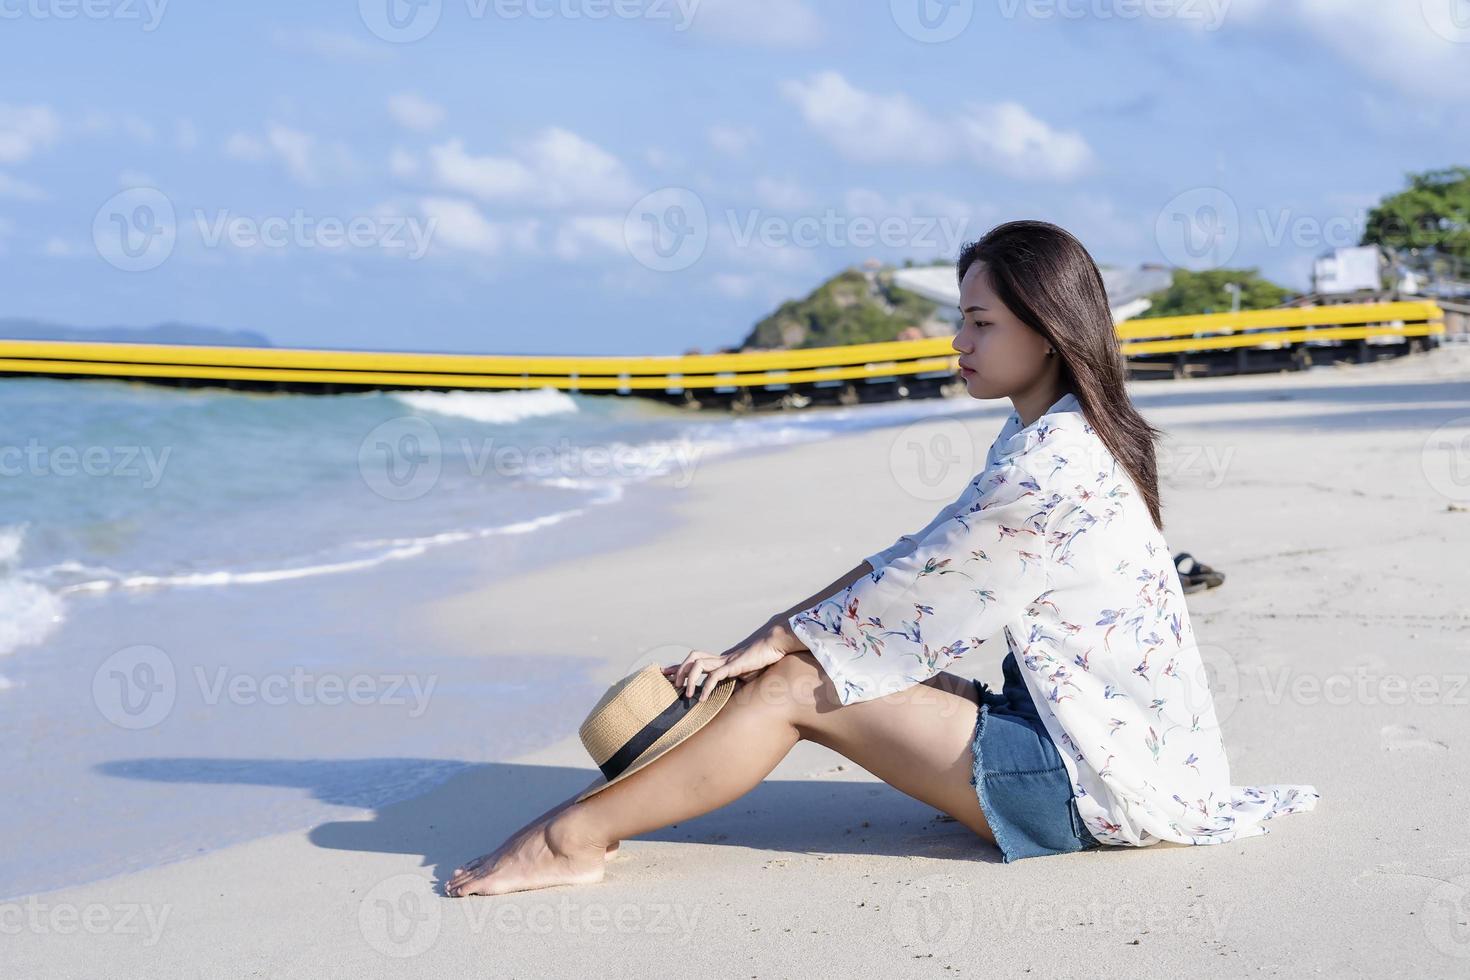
[655,176]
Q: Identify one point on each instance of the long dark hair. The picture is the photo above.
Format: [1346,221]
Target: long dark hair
[1046,278]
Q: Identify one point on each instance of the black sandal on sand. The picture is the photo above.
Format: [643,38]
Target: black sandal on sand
[1199,576]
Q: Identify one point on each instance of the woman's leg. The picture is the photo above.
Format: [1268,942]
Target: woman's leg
[916,740]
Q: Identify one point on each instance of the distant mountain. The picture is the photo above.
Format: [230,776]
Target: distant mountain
[856,306]
[20,328]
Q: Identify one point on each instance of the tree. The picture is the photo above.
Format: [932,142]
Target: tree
[1205,292]
[1432,216]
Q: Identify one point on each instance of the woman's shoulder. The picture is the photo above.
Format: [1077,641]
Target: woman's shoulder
[1063,454]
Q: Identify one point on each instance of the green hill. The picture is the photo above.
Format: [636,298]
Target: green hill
[856,306]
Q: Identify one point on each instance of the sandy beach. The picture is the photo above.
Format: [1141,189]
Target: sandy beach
[1339,642]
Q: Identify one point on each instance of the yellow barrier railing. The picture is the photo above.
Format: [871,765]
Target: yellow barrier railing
[934,355]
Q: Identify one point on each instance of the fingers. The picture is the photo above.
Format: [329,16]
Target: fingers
[715,676]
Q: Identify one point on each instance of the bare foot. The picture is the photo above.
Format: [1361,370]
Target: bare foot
[545,855]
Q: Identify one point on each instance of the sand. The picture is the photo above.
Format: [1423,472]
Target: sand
[1343,629]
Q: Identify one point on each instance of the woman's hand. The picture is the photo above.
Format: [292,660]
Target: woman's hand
[708,669]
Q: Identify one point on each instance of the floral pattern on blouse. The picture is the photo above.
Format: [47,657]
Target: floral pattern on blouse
[1051,551]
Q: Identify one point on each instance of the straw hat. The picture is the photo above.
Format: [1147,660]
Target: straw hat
[640,718]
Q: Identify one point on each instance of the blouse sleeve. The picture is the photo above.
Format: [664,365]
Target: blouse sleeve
[906,543]
[977,566]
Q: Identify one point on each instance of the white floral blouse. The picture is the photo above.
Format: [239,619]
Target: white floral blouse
[1053,548]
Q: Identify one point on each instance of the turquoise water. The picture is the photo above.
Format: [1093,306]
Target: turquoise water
[191,579]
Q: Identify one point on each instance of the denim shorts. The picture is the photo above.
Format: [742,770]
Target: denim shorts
[1019,777]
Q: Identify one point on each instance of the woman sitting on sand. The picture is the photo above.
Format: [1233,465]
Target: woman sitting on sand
[1104,733]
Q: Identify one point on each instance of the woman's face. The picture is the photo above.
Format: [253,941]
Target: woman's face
[1003,355]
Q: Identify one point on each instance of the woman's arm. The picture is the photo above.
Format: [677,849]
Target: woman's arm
[778,626]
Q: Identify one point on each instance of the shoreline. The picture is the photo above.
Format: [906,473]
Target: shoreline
[1328,554]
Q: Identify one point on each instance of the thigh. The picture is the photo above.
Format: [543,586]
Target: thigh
[917,740]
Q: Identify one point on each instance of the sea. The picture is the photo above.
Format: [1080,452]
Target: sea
[207,597]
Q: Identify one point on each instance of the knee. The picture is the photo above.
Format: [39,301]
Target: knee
[796,687]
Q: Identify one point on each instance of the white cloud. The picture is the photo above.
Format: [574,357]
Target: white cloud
[871,128]
[402,163]
[1006,137]
[414,112]
[783,195]
[1419,46]
[26,129]
[331,46]
[186,137]
[20,190]
[306,158]
[242,146]
[774,23]
[103,124]
[460,225]
[580,234]
[735,285]
[732,140]
[557,168]
[58,248]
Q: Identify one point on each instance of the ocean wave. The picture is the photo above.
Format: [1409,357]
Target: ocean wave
[74,577]
[496,407]
[29,612]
